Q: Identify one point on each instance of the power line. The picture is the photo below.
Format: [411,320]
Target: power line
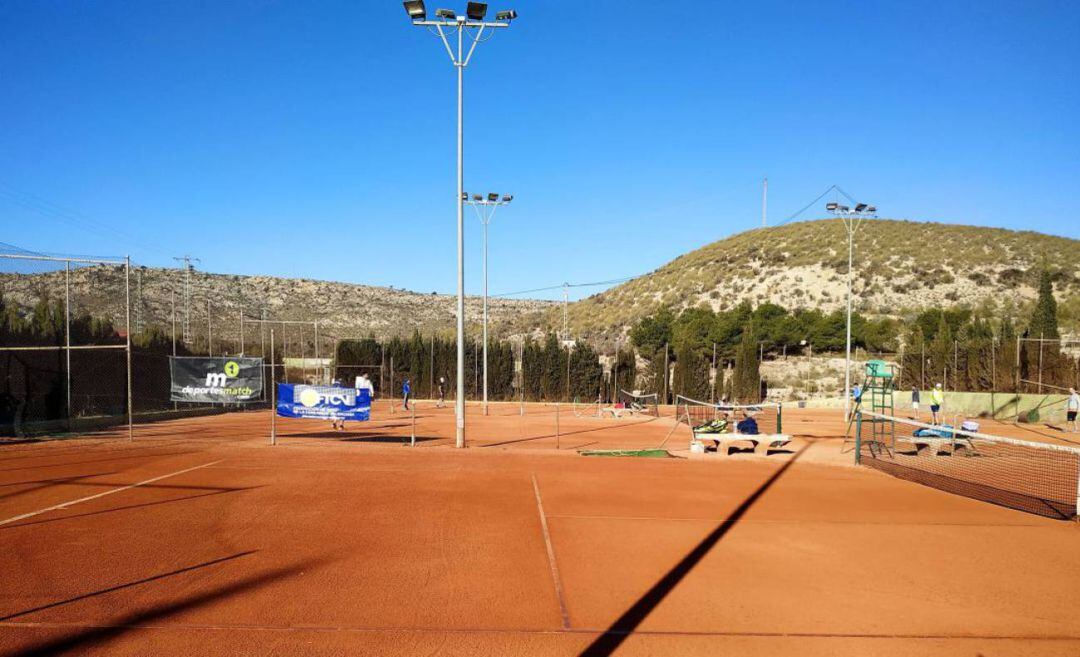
[566,285]
[53,210]
[831,188]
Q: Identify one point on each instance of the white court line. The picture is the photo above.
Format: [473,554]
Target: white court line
[65,505]
[551,557]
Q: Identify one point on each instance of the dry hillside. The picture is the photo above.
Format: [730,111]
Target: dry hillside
[341,308]
[900,266]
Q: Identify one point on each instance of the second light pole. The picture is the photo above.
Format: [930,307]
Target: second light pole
[485,209]
[853,218]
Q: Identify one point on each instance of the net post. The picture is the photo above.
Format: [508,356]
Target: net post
[858,437]
[273,393]
[1077,512]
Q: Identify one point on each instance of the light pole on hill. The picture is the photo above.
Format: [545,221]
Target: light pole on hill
[485,209]
[472,25]
[852,218]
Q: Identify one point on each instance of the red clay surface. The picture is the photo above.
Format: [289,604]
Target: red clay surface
[337,543]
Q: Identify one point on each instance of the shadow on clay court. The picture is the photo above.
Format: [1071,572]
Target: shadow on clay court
[143,505]
[80,447]
[119,587]
[104,460]
[624,626]
[47,483]
[79,641]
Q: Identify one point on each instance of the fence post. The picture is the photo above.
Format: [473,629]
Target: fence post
[67,335]
[273,393]
[1040,361]
[412,442]
[557,433]
[127,313]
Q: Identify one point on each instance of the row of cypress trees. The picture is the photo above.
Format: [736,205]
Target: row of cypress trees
[972,353]
[539,370]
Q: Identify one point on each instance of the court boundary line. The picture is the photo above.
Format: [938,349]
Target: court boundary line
[551,556]
[64,505]
[181,627]
[804,521]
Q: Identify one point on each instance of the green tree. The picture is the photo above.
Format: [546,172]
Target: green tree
[940,354]
[746,379]
[1041,360]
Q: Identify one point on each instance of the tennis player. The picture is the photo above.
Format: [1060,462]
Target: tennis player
[937,400]
[1072,407]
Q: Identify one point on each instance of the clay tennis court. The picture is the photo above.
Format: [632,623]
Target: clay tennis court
[199,538]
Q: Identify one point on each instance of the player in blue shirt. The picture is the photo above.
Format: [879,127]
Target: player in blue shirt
[406,390]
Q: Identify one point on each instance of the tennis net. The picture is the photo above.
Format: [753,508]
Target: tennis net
[642,403]
[707,417]
[1039,478]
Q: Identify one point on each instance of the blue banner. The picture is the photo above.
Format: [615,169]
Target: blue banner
[323,402]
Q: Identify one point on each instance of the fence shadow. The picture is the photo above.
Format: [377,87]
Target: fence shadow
[80,641]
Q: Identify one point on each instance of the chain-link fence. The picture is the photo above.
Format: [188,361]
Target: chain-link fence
[65,342]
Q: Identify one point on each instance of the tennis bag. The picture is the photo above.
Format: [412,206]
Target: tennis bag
[747,427]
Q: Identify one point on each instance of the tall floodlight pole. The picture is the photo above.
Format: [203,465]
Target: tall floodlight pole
[474,24]
[485,209]
[852,218]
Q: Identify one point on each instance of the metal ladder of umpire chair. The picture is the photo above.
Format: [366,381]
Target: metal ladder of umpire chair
[880,385]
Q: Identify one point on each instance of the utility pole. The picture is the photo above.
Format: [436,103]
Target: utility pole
[565,300]
[764,202]
[209,330]
[447,20]
[186,321]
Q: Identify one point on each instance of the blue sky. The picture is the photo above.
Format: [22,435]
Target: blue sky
[316,139]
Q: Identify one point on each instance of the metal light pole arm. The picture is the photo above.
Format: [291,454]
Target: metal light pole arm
[456,24]
[449,50]
[475,40]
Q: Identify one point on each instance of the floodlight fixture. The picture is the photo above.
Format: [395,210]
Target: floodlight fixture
[446,13]
[415,9]
[861,207]
[507,199]
[478,197]
[843,208]
[493,196]
[464,196]
[871,209]
[477,10]
[508,15]
[831,207]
